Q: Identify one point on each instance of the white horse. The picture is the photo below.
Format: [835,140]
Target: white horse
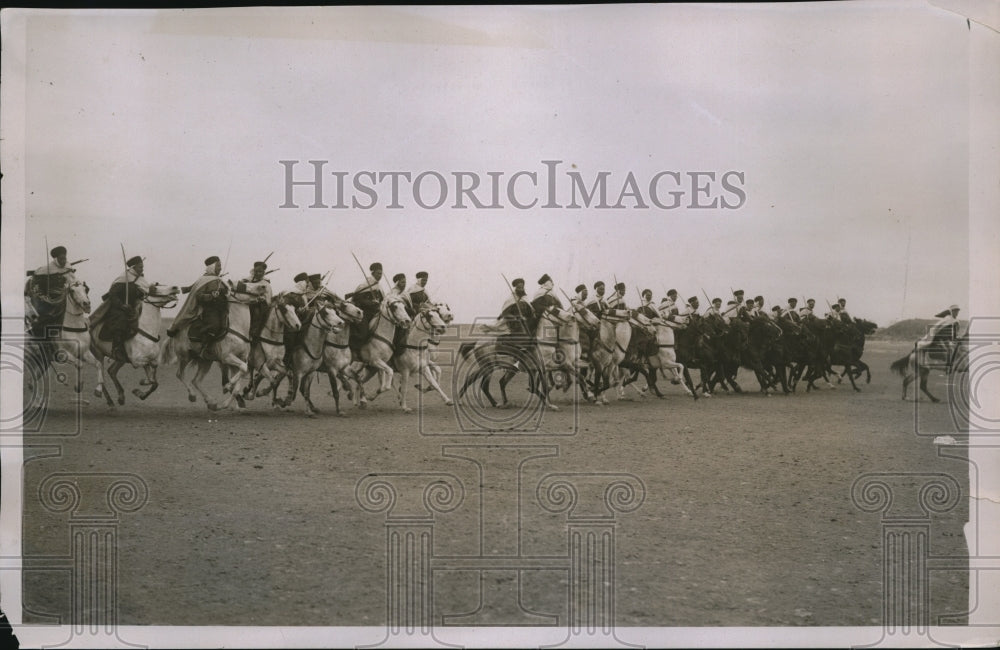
[72,345]
[143,349]
[377,350]
[337,352]
[568,340]
[666,352]
[231,352]
[267,352]
[415,356]
[307,356]
[608,351]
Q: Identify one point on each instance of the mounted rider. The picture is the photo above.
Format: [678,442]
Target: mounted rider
[646,307]
[617,299]
[122,308]
[945,330]
[597,304]
[46,289]
[206,310]
[399,292]
[844,316]
[715,309]
[735,308]
[368,295]
[790,313]
[417,294]
[255,290]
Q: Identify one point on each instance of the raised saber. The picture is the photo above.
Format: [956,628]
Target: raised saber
[125,261]
[362,269]
[321,289]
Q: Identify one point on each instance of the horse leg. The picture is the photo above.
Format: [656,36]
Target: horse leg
[202,369]
[304,388]
[432,378]
[404,378]
[334,391]
[848,368]
[182,364]
[924,373]
[150,380]
[113,373]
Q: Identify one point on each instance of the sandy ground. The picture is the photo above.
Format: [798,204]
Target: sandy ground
[252,517]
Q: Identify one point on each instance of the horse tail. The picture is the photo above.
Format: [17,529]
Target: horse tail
[168,355]
[899,366]
[465,349]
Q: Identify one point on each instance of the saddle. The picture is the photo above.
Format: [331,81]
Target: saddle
[641,345]
[209,327]
[49,316]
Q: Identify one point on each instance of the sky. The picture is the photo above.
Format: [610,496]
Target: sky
[162,132]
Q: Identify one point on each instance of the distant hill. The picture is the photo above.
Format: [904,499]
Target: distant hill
[911,329]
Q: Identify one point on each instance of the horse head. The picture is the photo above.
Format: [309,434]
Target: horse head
[79,294]
[348,311]
[445,312]
[395,310]
[432,318]
[326,317]
[162,296]
[285,311]
[867,327]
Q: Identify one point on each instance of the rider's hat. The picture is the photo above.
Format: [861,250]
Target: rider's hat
[315,276]
[398,277]
[58,251]
[793,300]
[518,282]
[301,277]
[212,260]
[135,260]
[599,283]
[260,265]
[620,287]
[580,287]
[545,278]
[672,293]
[376,266]
[693,299]
[421,275]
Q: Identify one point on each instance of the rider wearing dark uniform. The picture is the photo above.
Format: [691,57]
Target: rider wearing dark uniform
[124,298]
[206,309]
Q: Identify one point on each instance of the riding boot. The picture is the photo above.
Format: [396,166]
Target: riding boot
[118,351]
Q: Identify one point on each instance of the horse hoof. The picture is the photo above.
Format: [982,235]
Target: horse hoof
[407,409]
[98,392]
[192,398]
[212,406]
[448,402]
[137,393]
[363,405]
[121,400]
[553,407]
